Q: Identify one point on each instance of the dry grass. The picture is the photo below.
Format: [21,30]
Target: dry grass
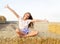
[54,27]
[29,40]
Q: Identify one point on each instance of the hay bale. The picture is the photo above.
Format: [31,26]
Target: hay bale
[2,19]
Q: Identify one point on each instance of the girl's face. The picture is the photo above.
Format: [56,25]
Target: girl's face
[26,16]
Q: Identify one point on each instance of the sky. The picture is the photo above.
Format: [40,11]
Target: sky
[40,9]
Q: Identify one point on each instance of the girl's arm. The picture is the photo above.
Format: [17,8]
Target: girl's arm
[12,11]
[37,20]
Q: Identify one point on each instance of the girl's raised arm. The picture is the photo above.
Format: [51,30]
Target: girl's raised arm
[12,11]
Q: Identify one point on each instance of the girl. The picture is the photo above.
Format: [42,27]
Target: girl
[24,24]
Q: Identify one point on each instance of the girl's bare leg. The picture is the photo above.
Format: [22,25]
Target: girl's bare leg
[19,33]
[32,33]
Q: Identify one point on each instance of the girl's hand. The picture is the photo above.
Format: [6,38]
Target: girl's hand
[45,20]
[7,6]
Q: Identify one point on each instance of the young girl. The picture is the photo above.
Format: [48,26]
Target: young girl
[24,24]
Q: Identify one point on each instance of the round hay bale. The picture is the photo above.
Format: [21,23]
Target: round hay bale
[2,19]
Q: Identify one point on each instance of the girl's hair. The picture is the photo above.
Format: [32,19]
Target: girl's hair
[31,18]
